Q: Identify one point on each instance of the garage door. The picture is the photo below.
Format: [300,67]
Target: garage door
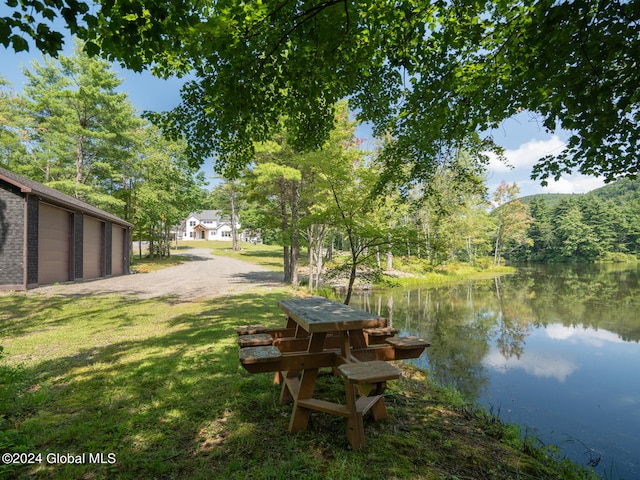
[117,251]
[54,240]
[92,252]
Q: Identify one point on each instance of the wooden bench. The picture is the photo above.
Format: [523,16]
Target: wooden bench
[251,329]
[407,347]
[260,359]
[255,340]
[258,329]
[377,336]
[407,343]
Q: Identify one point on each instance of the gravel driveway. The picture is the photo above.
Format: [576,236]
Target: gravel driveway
[204,276]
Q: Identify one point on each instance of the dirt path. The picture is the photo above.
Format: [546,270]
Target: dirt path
[204,276]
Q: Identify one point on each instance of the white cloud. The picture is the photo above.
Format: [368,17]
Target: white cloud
[527,154]
[537,363]
[523,158]
[573,184]
[588,336]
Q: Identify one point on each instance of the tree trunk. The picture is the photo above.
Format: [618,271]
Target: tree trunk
[295,255]
[330,249]
[496,253]
[234,226]
[316,235]
[285,230]
[79,161]
[295,237]
[310,237]
[352,280]
[151,243]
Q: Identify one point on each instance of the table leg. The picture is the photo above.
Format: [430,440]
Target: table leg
[357,340]
[286,396]
[300,415]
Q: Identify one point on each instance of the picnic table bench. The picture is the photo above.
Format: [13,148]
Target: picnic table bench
[321,333]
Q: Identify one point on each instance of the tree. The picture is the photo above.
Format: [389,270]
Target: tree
[512,219]
[278,181]
[163,190]
[12,126]
[84,131]
[226,198]
[357,213]
[540,231]
[444,206]
[575,239]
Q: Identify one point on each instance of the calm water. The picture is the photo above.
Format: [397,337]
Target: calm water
[555,350]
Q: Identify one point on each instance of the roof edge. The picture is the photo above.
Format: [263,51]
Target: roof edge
[23,188]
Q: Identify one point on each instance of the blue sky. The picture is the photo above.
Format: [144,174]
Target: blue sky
[523,137]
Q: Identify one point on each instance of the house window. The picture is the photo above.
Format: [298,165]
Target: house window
[192,223]
[225,234]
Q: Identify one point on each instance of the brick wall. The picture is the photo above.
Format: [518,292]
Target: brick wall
[33,208]
[11,236]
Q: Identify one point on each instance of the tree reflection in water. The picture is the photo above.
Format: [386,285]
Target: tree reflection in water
[546,329]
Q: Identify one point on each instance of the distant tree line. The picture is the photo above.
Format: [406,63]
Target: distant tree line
[601,225]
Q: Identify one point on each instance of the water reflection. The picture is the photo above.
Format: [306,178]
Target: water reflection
[553,348]
[538,364]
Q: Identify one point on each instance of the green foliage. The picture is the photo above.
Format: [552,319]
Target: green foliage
[78,130]
[432,75]
[162,189]
[512,221]
[601,225]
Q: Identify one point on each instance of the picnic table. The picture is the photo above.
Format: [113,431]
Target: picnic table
[321,333]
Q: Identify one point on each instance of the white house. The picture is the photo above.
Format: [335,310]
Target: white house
[206,225]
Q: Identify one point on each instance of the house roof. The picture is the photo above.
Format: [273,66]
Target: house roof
[207,215]
[56,197]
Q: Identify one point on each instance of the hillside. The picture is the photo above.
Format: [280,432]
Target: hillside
[621,191]
[551,199]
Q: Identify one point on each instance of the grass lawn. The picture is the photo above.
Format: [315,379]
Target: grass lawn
[156,387]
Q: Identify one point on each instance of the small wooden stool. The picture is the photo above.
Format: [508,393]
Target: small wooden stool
[370,379]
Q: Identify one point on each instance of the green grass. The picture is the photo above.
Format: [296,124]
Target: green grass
[158,384]
[268,256]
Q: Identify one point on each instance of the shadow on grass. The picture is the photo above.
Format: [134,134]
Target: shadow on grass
[172,405]
[24,315]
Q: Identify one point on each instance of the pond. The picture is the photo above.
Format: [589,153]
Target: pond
[553,349]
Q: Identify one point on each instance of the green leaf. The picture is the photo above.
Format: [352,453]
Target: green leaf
[19,43]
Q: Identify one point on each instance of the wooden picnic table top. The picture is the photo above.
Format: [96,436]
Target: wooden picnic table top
[318,314]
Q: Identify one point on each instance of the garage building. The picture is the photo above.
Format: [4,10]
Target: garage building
[47,237]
